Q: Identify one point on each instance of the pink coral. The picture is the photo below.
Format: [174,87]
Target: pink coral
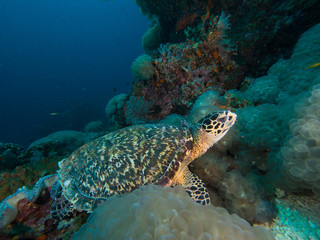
[183,71]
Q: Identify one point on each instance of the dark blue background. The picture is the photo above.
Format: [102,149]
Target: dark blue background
[64,56]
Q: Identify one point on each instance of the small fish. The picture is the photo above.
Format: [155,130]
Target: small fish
[54,114]
[313,65]
[115,89]
[205,18]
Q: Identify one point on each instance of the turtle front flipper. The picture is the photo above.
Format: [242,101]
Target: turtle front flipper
[61,208]
[196,189]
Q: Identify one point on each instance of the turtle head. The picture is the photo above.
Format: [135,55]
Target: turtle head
[216,125]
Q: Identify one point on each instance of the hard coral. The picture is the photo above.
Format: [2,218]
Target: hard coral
[228,188]
[301,153]
[115,109]
[206,103]
[137,110]
[10,155]
[241,197]
[32,214]
[26,214]
[268,146]
[142,67]
[154,212]
[151,40]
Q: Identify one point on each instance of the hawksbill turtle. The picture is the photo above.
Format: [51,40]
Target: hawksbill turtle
[121,161]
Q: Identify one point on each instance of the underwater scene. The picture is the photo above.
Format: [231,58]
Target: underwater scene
[160,119]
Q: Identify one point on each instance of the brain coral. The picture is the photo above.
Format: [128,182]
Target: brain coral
[301,154]
[152,212]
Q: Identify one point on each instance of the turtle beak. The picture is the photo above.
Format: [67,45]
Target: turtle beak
[230,118]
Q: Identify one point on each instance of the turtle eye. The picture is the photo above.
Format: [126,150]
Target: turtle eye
[222,119]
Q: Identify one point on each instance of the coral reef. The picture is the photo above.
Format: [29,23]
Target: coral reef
[228,187]
[152,212]
[136,141]
[171,18]
[298,218]
[184,71]
[94,126]
[206,103]
[202,56]
[264,31]
[264,126]
[266,153]
[261,31]
[241,196]
[301,153]
[60,143]
[142,68]
[9,207]
[212,45]
[10,155]
[26,175]
[151,40]
[26,214]
[114,109]
[137,110]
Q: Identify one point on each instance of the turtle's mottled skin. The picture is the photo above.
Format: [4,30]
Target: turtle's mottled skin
[121,161]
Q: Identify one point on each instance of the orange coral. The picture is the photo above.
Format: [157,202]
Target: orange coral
[215,54]
[42,237]
[207,16]
[199,53]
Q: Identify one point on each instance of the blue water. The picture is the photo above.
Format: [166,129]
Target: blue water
[66,57]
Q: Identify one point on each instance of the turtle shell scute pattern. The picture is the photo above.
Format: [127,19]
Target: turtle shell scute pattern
[121,161]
